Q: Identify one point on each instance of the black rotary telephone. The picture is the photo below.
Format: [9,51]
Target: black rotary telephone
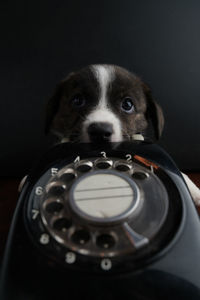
[103,222]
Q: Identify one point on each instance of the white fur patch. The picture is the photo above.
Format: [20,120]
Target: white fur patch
[104,76]
[102,113]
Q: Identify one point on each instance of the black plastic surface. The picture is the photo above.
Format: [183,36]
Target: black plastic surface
[26,274]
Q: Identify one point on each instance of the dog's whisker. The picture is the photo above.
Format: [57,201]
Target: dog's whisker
[82,117]
[127,136]
[124,133]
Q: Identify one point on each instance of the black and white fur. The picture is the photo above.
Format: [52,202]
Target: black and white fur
[102,103]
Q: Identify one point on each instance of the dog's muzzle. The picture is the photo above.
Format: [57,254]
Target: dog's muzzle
[100,132]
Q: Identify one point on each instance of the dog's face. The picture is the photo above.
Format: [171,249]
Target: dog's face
[102,103]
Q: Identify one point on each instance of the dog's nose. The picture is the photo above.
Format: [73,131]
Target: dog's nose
[100,132]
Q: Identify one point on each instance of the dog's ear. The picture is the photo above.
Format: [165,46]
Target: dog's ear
[52,106]
[54,102]
[154,115]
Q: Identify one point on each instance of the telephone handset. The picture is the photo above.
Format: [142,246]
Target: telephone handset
[104,214]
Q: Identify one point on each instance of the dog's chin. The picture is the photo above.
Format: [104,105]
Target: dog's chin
[99,140]
[86,139]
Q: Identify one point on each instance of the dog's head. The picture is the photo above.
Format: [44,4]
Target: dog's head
[103,103]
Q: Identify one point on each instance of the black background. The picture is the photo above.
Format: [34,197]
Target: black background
[41,42]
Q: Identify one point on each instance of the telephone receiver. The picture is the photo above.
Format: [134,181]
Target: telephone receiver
[106,221]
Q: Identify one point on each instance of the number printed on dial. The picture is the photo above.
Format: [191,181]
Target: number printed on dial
[39,190]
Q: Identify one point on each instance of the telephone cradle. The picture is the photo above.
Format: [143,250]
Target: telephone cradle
[113,221]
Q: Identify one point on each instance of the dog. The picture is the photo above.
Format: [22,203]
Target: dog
[106,103]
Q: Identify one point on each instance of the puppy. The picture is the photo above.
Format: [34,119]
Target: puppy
[106,103]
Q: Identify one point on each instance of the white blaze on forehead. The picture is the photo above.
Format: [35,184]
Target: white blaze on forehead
[103,113]
[104,76]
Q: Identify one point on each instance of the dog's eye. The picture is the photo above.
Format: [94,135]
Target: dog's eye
[78,101]
[127,105]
